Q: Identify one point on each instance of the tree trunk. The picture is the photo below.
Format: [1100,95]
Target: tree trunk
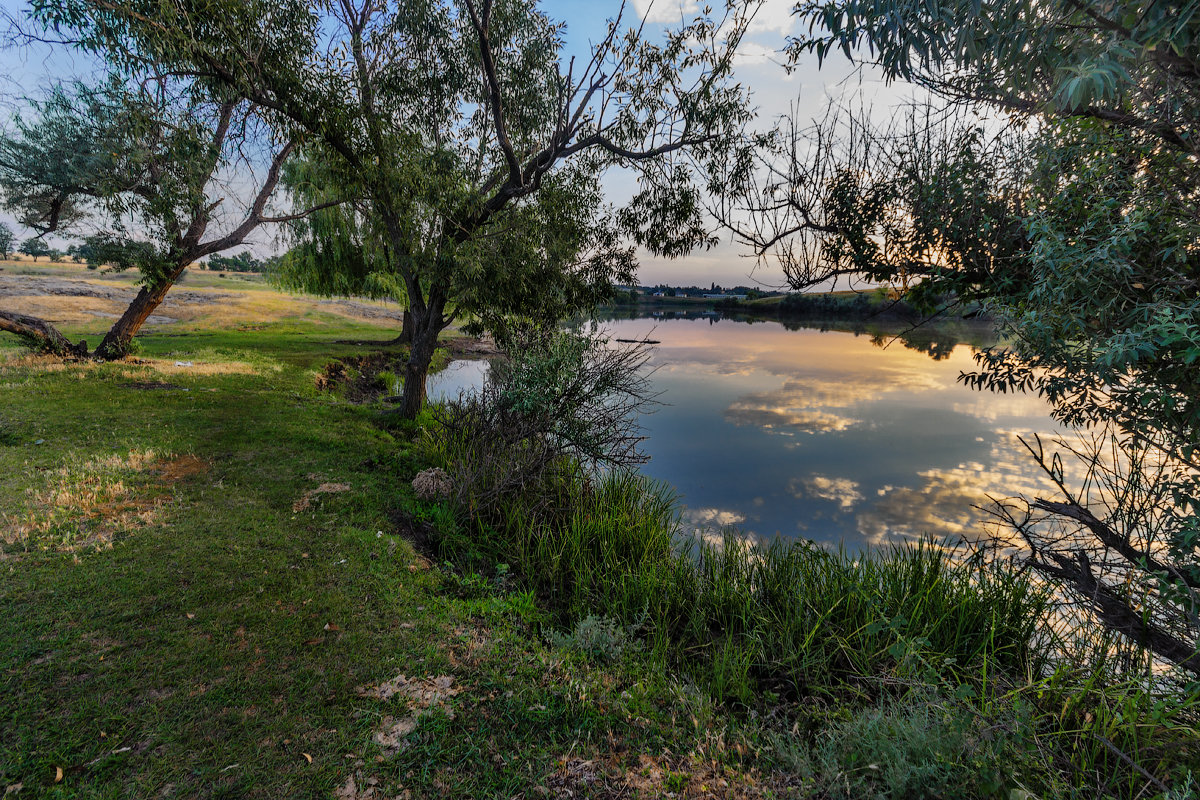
[119,337]
[406,327]
[40,334]
[427,324]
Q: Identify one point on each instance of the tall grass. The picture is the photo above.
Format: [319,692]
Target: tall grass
[740,617]
[896,638]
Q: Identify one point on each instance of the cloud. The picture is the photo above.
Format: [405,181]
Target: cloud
[785,420]
[666,11]
[842,491]
[712,517]
[950,503]
[775,17]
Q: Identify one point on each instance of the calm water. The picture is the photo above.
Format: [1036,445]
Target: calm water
[822,434]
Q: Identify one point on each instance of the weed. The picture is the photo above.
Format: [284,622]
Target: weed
[9,434]
[596,637]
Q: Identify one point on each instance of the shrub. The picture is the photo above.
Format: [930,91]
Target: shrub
[596,637]
[919,746]
[558,399]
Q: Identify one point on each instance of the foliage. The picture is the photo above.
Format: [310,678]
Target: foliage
[241,262]
[35,248]
[458,152]
[1083,246]
[925,203]
[1126,65]
[594,636]
[557,399]
[918,746]
[7,240]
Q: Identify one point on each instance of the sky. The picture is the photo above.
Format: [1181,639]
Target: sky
[774,92]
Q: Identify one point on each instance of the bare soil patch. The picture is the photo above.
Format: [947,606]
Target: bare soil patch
[86,505]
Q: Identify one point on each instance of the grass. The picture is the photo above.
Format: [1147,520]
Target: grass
[902,641]
[225,645]
[176,620]
[789,618]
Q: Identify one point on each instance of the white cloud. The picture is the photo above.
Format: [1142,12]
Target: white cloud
[842,491]
[666,11]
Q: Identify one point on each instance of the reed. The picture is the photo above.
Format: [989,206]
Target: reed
[739,616]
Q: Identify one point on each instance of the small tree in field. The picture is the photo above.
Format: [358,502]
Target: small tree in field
[145,166]
[35,248]
[468,146]
[7,239]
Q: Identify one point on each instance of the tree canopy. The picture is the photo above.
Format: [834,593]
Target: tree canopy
[461,147]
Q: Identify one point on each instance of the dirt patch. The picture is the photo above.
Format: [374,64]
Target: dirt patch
[363,310]
[153,319]
[305,501]
[18,285]
[359,378]
[89,503]
[471,347]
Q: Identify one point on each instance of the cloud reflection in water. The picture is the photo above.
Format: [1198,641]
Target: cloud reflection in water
[822,434]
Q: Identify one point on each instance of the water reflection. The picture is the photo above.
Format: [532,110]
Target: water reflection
[828,435]
[850,438]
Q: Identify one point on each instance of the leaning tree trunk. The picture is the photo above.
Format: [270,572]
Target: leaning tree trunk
[117,341]
[40,334]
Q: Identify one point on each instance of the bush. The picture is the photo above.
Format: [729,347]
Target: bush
[558,398]
[920,746]
[594,636]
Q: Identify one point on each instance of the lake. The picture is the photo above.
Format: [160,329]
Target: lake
[829,435]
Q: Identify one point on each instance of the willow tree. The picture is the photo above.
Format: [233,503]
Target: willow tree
[145,169]
[470,144]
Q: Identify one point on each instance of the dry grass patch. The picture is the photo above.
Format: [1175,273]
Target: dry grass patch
[306,500]
[647,776]
[191,366]
[88,504]
[65,310]
[421,696]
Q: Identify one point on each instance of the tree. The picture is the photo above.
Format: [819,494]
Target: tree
[242,262]
[144,162]
[7,239]
[1086,251]
[469,146]
[34,247]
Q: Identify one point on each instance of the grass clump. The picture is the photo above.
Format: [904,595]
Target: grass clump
[594,636]
[916,747]
[9,434]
